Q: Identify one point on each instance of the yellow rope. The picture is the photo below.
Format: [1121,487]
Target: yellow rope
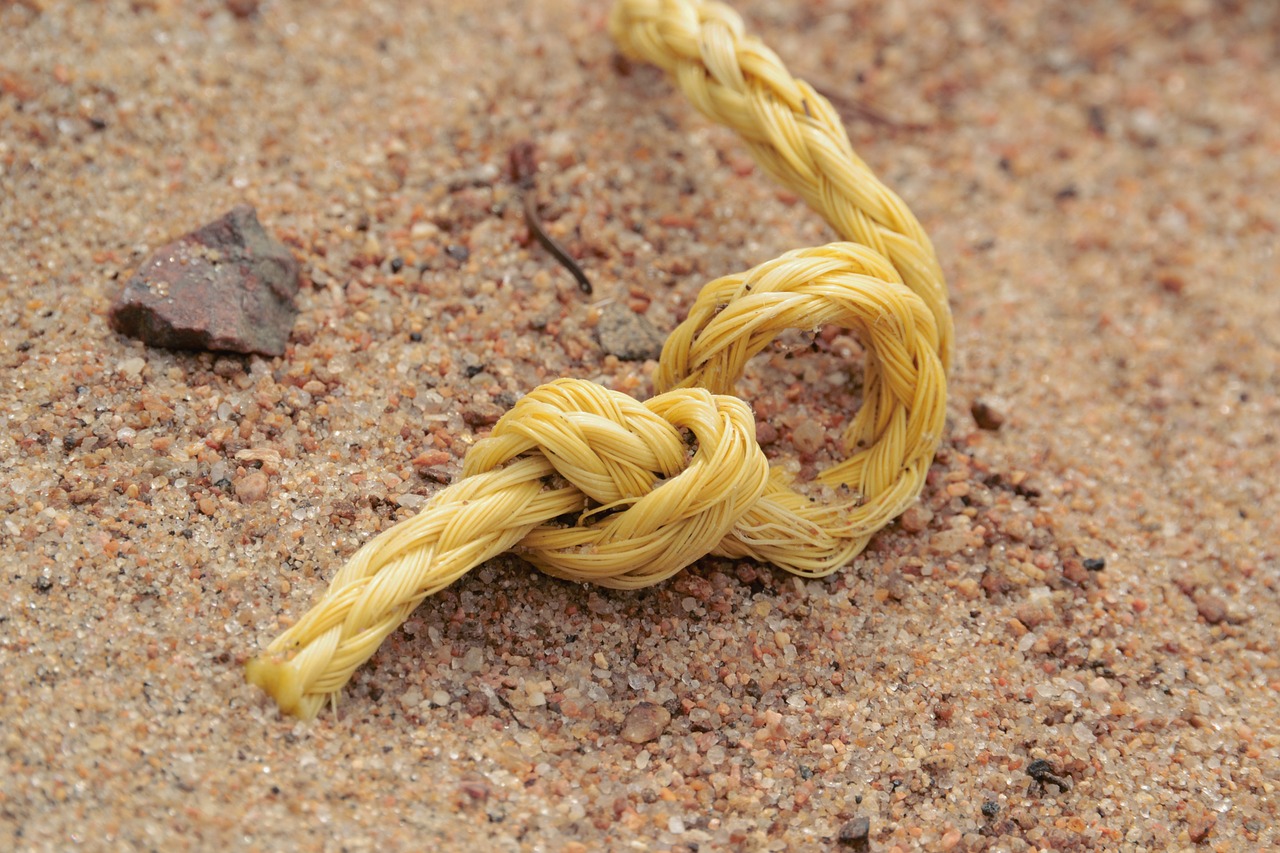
[792,131]
[651,487]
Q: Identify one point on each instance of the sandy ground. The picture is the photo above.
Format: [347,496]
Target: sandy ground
[1100,182]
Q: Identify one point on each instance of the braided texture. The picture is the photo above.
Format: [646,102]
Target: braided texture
[895,433]
[591,485]
[644,508]
[793,132]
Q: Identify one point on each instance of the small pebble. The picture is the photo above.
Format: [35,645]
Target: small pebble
[916,519]
[243,8]
[252,487]
[1199,827]
[476,790]
[808,436]
[473,659]
[132,367]
[856,834]
[1211,608]
[482,414]
[645,722]
[627,335]
[1035,613]
[986,416]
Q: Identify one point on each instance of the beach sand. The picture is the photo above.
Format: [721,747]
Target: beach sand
[1093,584]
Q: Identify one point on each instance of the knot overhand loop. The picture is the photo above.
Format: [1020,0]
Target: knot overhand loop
[650,507]
[590,484]
[895,433]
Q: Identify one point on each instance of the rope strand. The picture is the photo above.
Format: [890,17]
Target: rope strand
[792,131]
[591,485]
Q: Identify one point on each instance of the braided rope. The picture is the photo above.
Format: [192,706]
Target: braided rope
[589,484]
[893,435]
[793,132]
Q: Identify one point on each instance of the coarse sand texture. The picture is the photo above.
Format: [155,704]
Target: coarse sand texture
[600,289]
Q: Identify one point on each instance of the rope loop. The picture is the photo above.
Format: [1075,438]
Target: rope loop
[586,483]
[892,438]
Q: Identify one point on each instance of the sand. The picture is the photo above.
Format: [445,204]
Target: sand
[1094,584]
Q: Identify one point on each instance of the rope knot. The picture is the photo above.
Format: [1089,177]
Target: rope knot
[642,499]
[657,506]
[590,484]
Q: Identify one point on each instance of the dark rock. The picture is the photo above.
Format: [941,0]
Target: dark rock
[986,416]
[225,286]
[1041,773]
[627,335]
[243,8]
[856,834]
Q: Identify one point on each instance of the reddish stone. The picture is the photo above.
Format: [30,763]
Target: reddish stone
[1211,608]
[225,286]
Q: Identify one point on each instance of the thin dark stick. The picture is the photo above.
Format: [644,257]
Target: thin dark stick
[524,167]
[556,250]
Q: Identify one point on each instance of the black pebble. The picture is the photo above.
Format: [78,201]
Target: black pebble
[856,834]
